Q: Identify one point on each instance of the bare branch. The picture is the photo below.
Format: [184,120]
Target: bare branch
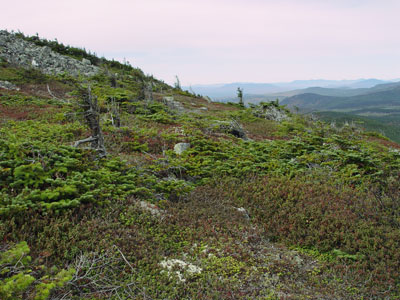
[87,140]
[53,96]
[99,274]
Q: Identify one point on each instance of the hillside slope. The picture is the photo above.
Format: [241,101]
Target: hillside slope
[193,199]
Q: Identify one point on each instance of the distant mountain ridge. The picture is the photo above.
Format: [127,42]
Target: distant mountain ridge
[228,91]
[337,92]
[379,96]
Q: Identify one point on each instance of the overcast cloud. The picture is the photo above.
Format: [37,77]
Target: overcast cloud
[227,40]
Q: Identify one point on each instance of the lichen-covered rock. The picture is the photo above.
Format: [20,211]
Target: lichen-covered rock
[232,127]
[26,54]
[172,103]
[181,147]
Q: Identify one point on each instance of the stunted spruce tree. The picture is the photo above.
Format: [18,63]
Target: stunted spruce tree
[240,96]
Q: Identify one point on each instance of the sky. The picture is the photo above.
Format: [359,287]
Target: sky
[221,41]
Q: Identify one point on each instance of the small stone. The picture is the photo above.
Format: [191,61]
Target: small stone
[181,147]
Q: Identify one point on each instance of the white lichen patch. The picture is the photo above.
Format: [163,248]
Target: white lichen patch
[180,268]
[151,208]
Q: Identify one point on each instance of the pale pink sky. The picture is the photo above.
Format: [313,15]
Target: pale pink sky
[206,41]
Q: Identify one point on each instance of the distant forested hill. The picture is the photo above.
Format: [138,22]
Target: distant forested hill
[380,99]
[377,110]
[386,125]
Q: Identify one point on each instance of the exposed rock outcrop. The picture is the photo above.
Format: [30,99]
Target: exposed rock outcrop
[271,111]
[26,54]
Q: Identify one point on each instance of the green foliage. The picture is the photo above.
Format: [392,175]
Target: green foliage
[354,161]
[22,76]
[44,176]
[18,100]
[17,254]
[14,286]
[14,280]
[106,93]
[328,256]
[44,289]
[234,104]
[225,266]
[153,111]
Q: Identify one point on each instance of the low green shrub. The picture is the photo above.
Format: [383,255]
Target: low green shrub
[57,177]
[17,279]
